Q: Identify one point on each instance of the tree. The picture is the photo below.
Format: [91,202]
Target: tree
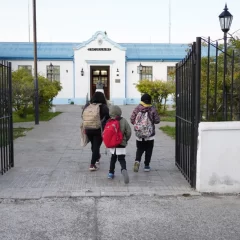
[168,88]
[23,92]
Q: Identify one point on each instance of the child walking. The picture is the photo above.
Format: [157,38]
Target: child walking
[144,118]
[124,133]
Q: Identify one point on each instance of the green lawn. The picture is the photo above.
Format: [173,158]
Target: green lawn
[170,131]
[30,117]
[168,116]
[17,132]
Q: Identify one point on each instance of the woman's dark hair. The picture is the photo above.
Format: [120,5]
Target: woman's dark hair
[98,97]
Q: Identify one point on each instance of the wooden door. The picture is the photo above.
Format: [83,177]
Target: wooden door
[100,73]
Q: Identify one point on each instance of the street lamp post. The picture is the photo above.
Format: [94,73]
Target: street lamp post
[225,19]
[51,71]
[36,97]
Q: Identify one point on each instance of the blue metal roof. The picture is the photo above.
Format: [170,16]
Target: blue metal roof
[24,51]
[155,51]
[64,51]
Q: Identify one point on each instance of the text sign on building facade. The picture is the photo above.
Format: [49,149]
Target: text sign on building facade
[99,49]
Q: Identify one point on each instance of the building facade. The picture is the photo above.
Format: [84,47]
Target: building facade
[79,66]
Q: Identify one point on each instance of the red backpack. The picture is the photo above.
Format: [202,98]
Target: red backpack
[112,135]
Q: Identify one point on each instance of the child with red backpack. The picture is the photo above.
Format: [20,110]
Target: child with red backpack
[144,118]
[116,134]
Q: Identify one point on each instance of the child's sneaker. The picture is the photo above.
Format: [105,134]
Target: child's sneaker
[98,161]
[111,175]
[136,166]
[125,176]
[147,169]
[93,167]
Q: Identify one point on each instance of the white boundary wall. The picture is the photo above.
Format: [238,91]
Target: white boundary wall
[218,157]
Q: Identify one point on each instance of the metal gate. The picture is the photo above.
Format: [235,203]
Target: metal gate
[6,121]
[207,89]
[188,111]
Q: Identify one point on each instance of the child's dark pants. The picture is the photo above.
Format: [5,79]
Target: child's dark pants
[120,158]
[147,147]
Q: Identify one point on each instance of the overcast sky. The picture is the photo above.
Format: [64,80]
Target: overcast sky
[124,20]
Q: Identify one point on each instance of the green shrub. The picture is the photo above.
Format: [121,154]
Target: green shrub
[23,92]
[159,91]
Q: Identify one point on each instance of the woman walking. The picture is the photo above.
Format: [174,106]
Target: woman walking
[94,115]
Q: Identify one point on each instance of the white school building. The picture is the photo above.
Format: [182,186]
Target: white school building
[79,66]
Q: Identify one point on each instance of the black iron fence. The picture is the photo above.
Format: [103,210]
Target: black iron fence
[220,90]
[205,91]
[6,121]
[187,111]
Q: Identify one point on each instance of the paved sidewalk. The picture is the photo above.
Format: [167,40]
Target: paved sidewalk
[49,162]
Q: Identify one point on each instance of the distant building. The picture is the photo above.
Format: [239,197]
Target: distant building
[79,66]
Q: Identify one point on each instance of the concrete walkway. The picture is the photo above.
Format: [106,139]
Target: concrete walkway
[49,162]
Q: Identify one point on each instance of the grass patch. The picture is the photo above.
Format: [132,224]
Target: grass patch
[168,116]
[20,132]
[17,132]
[30,117]
[170,131]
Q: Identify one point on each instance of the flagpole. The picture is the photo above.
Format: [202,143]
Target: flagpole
[29,26]
[169,21]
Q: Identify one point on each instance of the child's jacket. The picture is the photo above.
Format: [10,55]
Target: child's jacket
[142,107]
[115,111]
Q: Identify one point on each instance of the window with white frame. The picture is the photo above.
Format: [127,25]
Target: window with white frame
[171,72]
[53,73]
[26,67]
[146,73]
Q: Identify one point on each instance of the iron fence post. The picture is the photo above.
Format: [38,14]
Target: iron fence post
[193,100]
[196,106]
[2,115]
[10,114]
[208,80]
[215,83]
[176,117]
[232,79]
